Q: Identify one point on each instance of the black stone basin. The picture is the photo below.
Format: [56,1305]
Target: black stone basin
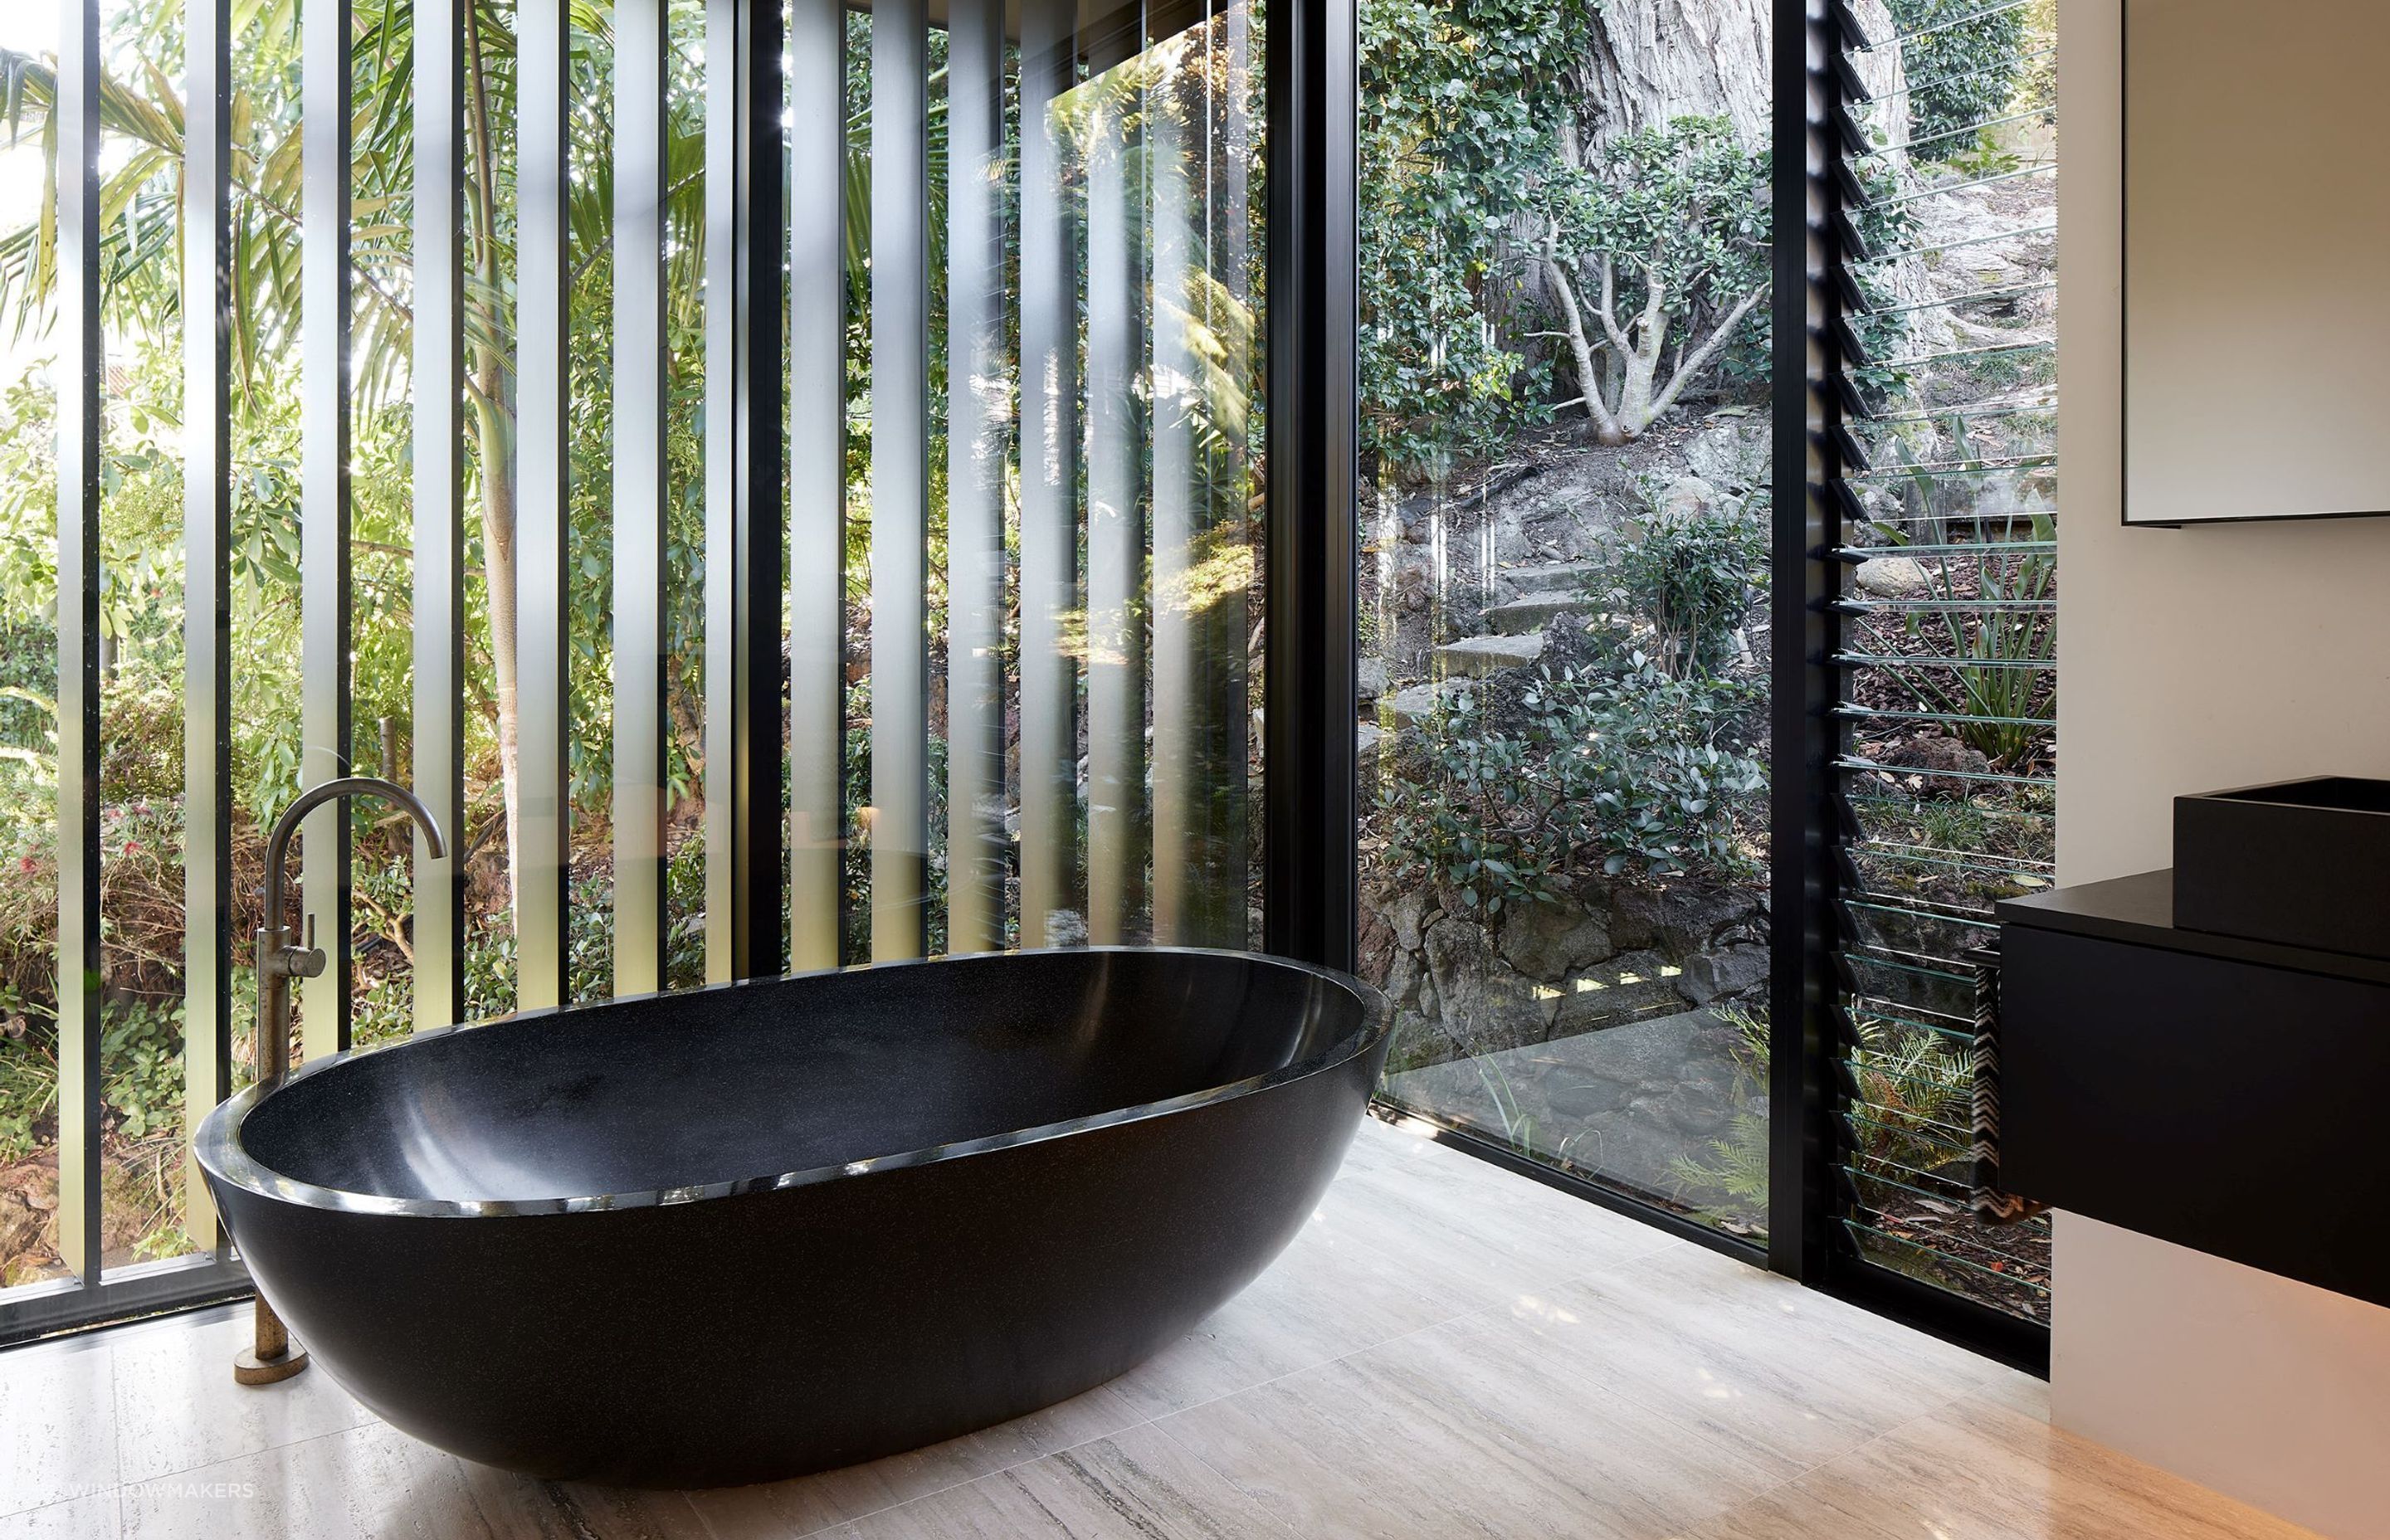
[751,1231]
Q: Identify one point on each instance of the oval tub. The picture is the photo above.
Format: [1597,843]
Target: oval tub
[751,1231]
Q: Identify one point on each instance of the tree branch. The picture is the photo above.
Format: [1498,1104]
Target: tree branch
[1608,311]
[1692,367]
[1588,380]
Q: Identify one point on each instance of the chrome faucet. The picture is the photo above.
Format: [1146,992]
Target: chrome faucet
[272,1356]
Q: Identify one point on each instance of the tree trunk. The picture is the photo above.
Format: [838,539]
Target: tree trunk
[498,575]
[494,441]
[1657,59]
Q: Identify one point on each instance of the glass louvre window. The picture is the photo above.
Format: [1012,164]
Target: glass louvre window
[1567,628]
[1945,771]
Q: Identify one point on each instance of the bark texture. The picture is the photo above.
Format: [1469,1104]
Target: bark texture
[1656,59]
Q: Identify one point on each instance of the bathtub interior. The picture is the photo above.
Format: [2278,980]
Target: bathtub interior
[732,1084]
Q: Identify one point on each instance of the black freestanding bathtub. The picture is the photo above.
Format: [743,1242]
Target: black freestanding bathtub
[761,1229]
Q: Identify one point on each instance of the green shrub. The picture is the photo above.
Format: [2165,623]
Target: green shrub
[1961,74]
[1693,580]
[1636,770]
[1458,128]
[141,1054]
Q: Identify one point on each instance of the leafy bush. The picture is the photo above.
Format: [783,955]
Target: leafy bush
[141,1049]
[1634,771]
[1914,1085]
[1693,580]
[29,1082]
[1960,74]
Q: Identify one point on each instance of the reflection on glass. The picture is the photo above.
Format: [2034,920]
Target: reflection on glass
[1134,509]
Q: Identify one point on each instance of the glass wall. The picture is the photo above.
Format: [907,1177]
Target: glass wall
[488,462]
[1564,572]
[1048,616]
[1951,617]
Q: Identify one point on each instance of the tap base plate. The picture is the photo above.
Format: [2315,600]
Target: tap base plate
[247,1368]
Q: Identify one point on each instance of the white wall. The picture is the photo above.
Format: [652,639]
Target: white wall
[2191,659]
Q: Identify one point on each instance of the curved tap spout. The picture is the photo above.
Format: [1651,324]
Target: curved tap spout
[277,845]
[272,1356]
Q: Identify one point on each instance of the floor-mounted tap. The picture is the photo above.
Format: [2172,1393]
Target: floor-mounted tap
[272,1356]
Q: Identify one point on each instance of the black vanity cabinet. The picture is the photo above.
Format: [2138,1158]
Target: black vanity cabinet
[2227,1095]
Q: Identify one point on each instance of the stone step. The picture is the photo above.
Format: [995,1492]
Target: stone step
[1521,616]
[1413,705]
[1549,577]
[1416,704]
[1476,656]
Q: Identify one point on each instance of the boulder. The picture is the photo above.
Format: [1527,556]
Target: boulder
[1682,501]
[1371,679]
[1680,919]
[1730,971]
[1374,948]
[1416,704]
[1408,912]
[1893,577]
[1625,988]
[1406,982]
[1933,751]
[1551,940]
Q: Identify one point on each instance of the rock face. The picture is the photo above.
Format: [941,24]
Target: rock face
[1682,919]
[1732,971]
[1657,59]
[1550,941]
[1479,1002]
[1732,453]
[1650,1104]
[1465,985]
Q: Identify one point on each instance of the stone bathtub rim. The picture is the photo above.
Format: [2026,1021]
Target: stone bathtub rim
[219,1151]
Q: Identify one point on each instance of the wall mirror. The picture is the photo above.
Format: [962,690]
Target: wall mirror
[2257,247]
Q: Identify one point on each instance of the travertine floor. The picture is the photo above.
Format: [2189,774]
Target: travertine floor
[1448,1351]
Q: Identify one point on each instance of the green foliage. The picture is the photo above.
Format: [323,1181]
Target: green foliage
[2000,629]
[1633,770]
[1959,74]
[1914,1087]
[141,1045]
[1459,125]
[29,1083]
[1692,582]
